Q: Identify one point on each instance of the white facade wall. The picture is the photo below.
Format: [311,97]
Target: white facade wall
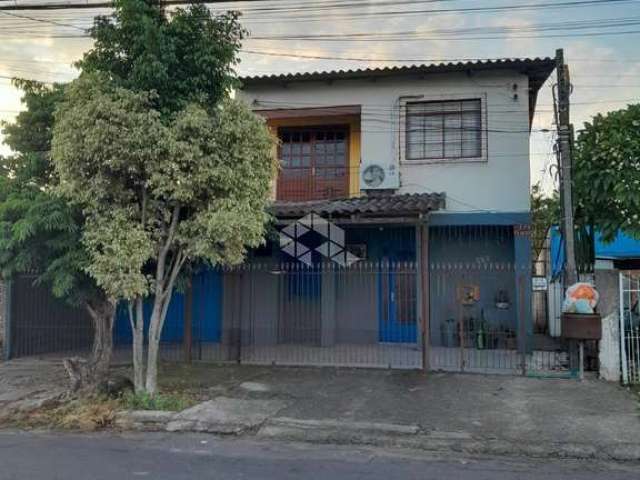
[497,182]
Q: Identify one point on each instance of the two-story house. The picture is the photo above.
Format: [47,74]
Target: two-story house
[426,164]
[401,210]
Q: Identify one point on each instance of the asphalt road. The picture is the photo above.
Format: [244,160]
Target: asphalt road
[40,456]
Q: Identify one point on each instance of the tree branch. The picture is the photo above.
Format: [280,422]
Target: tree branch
[162,256]
[91,310]
[166,296]
[143,208]
[131,322]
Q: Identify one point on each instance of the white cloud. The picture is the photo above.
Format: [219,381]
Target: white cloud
[51,58]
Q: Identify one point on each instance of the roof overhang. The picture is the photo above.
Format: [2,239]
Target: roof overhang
[288,113]
[372,209]
[536,69]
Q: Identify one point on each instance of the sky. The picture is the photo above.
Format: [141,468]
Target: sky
[600,39]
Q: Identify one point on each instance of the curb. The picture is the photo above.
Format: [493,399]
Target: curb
[377,435]
[442,442]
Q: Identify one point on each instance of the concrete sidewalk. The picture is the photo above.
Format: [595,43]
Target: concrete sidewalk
[27,384]
[473,413]
[434,412]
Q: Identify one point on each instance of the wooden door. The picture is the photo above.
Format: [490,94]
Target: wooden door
[314,163]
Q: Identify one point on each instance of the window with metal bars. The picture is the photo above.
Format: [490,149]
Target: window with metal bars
[443,129]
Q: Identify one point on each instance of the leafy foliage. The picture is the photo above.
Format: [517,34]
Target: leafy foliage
[187,58]
[545,212]
[168,170]
[39,231]
[606,173]
[132,173]
[30,134]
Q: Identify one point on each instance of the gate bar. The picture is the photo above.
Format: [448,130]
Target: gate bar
[623,347]
[424,293]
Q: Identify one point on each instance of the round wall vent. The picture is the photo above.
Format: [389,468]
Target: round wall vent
[373,176]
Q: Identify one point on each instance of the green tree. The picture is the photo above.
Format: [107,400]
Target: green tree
[606,173]
[159,193]
[545,212]
[40,232]
[187,57]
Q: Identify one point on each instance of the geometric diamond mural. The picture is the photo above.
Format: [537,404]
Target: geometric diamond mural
[332,246]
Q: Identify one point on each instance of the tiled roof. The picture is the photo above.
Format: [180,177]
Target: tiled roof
[539,68]
[380,205]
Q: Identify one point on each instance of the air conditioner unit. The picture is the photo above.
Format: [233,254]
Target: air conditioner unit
[379,177]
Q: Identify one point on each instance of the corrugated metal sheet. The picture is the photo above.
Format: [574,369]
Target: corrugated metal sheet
[539,68]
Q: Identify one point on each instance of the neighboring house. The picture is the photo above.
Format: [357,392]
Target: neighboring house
[616,276]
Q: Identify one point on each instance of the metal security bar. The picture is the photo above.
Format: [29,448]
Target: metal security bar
[476,323]
[43,325]
[474,317]
[365,315]
[362,316]
[630,326]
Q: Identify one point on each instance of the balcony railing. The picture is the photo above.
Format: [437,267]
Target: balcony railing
[316,183]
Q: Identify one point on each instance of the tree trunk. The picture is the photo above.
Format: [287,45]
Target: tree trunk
[155,330]
[137,327]
[87,374]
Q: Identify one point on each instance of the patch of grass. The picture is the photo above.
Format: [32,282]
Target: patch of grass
[87,414]
[172,402]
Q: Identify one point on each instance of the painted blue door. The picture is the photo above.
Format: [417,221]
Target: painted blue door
[397,305]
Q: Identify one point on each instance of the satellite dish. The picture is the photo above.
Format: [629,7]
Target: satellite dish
[373,176]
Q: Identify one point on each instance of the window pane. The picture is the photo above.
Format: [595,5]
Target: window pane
[413,108]
[470,105]
[471,134]
[446,129]
[452,135]
[451,106]
[415,150]
[433,136]
[415,137]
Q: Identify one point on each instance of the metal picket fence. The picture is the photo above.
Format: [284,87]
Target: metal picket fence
[365,315]
[630,326]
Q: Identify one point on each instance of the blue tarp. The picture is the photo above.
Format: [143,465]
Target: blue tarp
[623,247]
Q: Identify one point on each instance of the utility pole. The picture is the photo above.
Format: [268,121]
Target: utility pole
[564,152]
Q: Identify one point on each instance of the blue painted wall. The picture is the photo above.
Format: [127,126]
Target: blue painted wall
[457,255]
[206,313]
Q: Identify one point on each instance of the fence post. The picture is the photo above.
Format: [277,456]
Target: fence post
[623,346]
[522,270]
[424,293]
[7,344]
[187,337]
[237,328]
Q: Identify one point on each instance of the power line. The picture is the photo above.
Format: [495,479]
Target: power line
[100,5]
[34,19]
[473,10]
